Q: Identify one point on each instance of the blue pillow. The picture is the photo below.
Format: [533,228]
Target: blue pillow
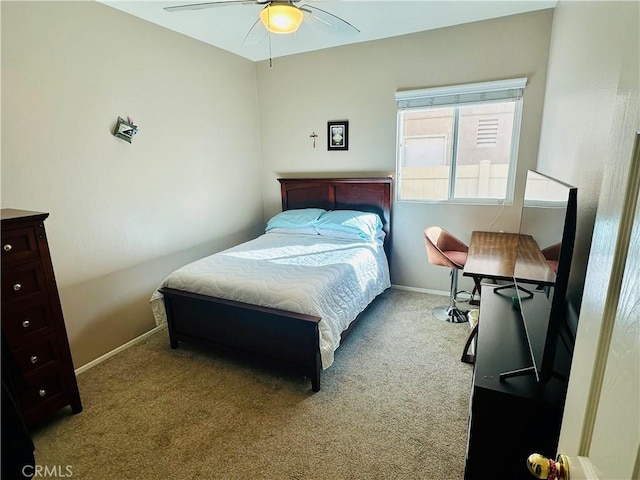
[302,218]
[349,224]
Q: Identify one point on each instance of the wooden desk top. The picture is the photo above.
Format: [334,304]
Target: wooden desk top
[492,255]
[505,256]
[531,266]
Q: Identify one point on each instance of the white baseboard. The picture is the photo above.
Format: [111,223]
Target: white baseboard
[115,351]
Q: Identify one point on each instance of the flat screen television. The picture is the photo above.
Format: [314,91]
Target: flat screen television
[549,216]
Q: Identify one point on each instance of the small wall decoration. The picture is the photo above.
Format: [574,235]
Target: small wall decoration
[338,135]
[125,129]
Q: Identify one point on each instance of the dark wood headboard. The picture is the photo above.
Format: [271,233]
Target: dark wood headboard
[365,194]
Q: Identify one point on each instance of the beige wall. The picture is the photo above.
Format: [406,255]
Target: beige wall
[585,61]
[357,83]
[591,116]
[124,215]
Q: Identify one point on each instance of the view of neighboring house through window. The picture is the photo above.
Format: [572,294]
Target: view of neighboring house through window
[459,143]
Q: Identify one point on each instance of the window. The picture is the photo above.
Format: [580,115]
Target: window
[459,143]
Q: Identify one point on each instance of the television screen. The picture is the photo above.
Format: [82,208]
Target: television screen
[548,218]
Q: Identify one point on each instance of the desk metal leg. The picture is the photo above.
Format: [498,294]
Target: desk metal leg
[466,356]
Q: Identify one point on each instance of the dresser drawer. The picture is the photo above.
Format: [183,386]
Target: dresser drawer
[20,281]
[37,355]
[26,320]
[20,245]
[41,389]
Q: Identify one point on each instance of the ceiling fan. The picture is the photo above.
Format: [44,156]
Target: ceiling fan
[278,16]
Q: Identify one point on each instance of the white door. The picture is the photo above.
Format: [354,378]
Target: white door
[601,425]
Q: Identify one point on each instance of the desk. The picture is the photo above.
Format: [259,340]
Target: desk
[504,256]
[507,256]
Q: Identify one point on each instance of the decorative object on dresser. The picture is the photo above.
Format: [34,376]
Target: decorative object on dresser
[41,374]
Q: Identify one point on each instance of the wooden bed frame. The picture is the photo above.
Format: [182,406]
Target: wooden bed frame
[286,337]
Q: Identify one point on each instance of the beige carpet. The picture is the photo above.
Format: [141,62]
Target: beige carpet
[394,405]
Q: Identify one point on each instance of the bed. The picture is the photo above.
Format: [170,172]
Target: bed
[313,296]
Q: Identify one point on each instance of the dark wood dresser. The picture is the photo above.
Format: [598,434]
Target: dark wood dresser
[510,419]
[36,358]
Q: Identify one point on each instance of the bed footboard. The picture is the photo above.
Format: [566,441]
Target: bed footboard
[286,337]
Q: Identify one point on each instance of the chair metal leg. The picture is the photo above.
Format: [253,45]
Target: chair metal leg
[453,291]
[450,313]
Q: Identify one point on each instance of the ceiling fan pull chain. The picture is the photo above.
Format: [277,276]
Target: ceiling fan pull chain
[269,35]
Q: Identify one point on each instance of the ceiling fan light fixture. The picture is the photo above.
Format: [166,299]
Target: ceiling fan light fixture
[281,18]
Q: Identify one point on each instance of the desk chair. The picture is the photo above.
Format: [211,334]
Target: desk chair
[445,250]
[552,254]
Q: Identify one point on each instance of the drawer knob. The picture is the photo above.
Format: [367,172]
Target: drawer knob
[26,323]
[42,392]
[7,247]
[17,287]
[34,359]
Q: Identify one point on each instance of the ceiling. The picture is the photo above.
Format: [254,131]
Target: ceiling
[226,27]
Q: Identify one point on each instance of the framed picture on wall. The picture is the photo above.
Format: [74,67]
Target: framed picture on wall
[338,135]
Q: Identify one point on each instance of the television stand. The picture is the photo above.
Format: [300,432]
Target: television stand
[505,417]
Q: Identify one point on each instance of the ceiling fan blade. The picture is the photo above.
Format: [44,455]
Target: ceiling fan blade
[201,6]
[318,16]
[256,34]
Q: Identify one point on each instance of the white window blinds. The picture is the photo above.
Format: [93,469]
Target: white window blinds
[484,92]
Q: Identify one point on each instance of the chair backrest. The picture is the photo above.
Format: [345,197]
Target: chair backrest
[552,254]
[442,246]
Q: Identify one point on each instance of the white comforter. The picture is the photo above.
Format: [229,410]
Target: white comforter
[332,278]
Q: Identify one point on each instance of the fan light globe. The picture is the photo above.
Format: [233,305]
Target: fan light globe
[281,18]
